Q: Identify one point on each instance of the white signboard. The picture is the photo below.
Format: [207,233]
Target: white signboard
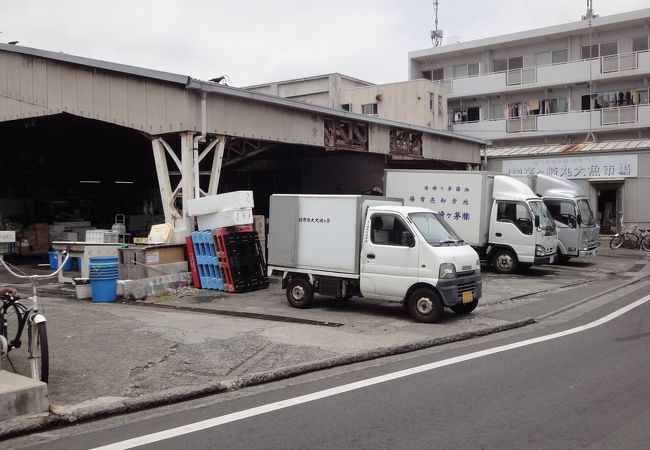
[7,236]
[602,166]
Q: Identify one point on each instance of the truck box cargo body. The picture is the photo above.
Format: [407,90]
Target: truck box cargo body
[501,217]
[577,229]
[369,246]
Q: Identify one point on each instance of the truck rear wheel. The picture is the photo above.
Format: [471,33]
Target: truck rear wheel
[425,305]
[300,293]
[504,261]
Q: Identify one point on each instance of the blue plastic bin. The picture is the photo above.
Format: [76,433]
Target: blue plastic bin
[54,263]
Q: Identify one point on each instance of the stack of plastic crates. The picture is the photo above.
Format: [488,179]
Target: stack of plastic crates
[242,259]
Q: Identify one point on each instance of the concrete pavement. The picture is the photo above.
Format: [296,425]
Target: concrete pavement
[114,357]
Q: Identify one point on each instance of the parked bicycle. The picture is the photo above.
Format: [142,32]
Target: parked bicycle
[14,317]
[631,236]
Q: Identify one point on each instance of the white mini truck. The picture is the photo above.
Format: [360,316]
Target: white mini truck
[368,246]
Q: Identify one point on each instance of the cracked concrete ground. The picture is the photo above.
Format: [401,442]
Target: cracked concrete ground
[137,349]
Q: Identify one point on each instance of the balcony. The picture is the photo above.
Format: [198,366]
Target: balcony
[619,118]
[606,67]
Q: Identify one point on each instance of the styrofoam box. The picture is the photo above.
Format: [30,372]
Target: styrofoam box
[214,203]
[7,236]
[227,218]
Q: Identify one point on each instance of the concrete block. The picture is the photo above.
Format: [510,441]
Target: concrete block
[141,289]
[20,396]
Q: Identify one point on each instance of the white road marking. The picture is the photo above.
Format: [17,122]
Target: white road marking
[216,421]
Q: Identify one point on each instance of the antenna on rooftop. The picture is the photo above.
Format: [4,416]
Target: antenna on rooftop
[436,35]
[590,11]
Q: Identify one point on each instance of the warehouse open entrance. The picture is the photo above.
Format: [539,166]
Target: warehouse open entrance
[609,206]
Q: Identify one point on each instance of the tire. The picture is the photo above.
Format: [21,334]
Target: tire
[300,293]
[425,305]
[645,243]
[504,261]
[464,308]
[630,240]
[616,242]
[39,356]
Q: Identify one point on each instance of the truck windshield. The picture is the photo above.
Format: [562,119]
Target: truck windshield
[586,214]
[539,209]
[434,229]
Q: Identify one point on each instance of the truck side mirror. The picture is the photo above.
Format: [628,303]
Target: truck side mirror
[536,221]
[408,239]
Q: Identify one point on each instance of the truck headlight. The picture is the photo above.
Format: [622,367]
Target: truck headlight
[539,250]
[447,270]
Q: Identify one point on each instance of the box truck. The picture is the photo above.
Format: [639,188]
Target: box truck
[501,217]
[369,246]
[570,208]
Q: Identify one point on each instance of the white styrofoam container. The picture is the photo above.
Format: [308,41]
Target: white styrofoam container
[214,203]
[227,218]
[7,236]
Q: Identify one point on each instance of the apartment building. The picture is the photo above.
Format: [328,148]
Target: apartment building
[550,85]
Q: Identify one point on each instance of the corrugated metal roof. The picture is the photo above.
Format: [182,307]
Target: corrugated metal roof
[609,146]
[210,87]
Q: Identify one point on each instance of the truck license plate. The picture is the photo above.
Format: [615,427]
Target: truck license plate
[468,297]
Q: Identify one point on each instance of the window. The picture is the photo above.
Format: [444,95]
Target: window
[562,211]
[608,48]
[369,109]
[346,107]
[473,70]
[499,65]
[589,51]
[497,111]
[516,62]
[388,230]
[441,106]
[431,100]
[460,71]
[640,44]
[559,56]
[438,74]
[602,49]
[426,74]
[516,213]
[434,229]
[558,105]
[543,58]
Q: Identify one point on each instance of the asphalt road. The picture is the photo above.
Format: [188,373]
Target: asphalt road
[588,388]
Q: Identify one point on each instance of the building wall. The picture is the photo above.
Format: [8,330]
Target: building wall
[407,102]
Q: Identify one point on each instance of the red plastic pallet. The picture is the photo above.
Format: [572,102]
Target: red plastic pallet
[192,258]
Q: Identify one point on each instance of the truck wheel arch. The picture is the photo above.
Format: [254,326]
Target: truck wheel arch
[410,290]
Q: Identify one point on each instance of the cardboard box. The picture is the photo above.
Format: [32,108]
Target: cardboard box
[146,261]
[220,202]
[161,234]
[138,272]
[223,219]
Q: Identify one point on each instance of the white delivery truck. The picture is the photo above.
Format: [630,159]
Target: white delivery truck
[369,246]
[501,217]
[570,208]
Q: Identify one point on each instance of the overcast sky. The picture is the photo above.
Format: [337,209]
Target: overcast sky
[254,41]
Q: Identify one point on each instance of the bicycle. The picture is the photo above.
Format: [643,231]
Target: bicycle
[37,347]
[629,237]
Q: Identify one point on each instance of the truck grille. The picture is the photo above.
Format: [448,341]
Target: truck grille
[466,286]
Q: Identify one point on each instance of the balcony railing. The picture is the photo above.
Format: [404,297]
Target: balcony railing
[521,124]
[617,63]
[621,114]
[569,71]
[521,76]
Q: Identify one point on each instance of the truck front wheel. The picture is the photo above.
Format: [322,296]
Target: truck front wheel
[425,305]
[504,261]
[464,308]
[300,293]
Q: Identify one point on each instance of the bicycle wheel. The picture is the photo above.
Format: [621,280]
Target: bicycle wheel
[645,243]
[616,241]
[39,357]
[631,240]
